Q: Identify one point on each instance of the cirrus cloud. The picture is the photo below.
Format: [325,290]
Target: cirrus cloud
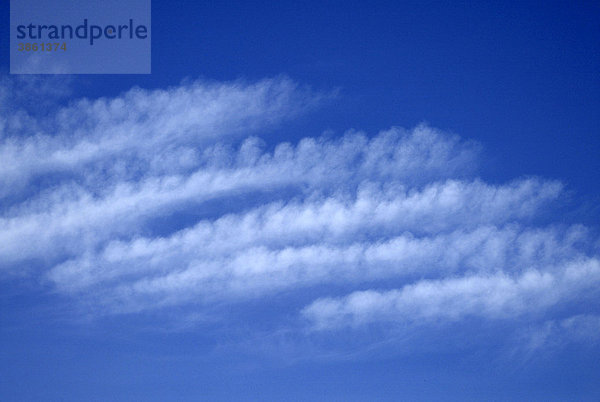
[156,199]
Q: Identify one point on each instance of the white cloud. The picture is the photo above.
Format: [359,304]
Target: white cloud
[240,257]
[75,216]
[168,198]
[133,133]
[556,334]
[488,296]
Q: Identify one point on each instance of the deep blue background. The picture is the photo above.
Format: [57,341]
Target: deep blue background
[520,77]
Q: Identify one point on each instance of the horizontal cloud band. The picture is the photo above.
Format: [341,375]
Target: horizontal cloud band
[168,198]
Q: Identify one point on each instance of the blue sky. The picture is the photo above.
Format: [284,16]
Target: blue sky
[310,201]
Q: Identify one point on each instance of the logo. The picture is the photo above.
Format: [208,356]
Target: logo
[80,37]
